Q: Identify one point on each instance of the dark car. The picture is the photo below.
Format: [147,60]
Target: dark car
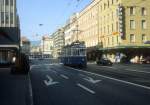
[145,60]
[104,62]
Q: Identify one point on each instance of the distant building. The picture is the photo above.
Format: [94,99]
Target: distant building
[35,47]
[8,14]
[25,45]
[71,29]
[47,45]
[58,42]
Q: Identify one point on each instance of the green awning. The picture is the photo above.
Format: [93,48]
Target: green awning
[124,47]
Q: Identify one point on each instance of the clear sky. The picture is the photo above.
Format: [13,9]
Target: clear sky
[51,13]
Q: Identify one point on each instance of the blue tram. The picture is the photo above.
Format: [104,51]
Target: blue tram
[74,55]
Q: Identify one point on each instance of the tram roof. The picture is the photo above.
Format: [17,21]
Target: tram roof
[76,44]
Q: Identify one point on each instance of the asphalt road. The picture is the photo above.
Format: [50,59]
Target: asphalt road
[55,84]
[135,73]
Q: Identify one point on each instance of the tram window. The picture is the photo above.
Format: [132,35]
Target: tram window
[74,51]
[69,51]
[82,52]
[77,52]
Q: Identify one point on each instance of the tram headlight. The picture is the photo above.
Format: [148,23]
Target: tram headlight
[13,59]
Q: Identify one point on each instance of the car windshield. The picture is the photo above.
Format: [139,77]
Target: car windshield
[74,52]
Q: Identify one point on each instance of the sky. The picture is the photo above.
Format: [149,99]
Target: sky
[51,13]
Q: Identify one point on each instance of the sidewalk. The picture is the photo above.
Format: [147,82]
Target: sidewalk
[14,89]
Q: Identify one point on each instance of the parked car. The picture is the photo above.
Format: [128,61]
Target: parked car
[104,62]
[145,60]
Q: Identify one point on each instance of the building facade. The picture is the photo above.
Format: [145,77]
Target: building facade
[88,26]
[124,28]
[116,28]
[8,14]
[47,45]
[25,45]
[35,47]
[58,42]
[71,29]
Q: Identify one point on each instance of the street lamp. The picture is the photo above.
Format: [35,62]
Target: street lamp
[40,25]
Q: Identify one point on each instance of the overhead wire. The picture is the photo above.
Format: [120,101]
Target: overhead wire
[75,4]
[79,2]
[65,10]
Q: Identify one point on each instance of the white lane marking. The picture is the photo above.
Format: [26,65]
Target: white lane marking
[128,69]
[91,80]
[35,66]
[63,76]
[31,67]
[138,71]
[83,76]
[85,88]
[122,81]
[50,81]
[48,64]
[30,90]
[109,67]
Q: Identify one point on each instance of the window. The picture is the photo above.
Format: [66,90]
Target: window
[117,26]
[132,38]
[11,18]
[108,29]
[2,17]
[108,41]
[112,27]
[132,24]
[144,39]
[7,2]
[132,10]
[112,1]
[2,2]
[104,6]
[117,39]
[112,40]
[144,24]
[112,16]
[104,29]
[143,11]
[108,3]
[11,2]
[108,17]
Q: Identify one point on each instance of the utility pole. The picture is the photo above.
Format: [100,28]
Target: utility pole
[77,31]
[40,25]
[43,47]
